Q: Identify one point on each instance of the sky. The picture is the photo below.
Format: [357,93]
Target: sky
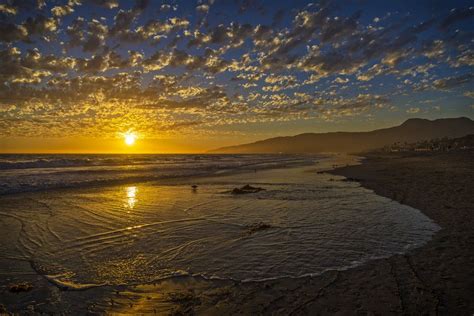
[189,76]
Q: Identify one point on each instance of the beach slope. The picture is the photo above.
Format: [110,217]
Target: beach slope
[441,186]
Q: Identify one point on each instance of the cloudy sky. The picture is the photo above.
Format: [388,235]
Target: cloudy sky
[190,76]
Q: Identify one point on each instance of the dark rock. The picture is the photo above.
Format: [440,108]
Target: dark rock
[251,229]
[246,189]
[20,287]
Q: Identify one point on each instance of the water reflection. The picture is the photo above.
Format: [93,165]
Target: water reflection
[131,197]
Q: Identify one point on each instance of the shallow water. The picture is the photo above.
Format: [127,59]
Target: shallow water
[36,172]
[143,232]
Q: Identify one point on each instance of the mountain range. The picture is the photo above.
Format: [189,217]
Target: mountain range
[412,130]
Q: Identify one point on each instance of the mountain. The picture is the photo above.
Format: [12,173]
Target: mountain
[410,131]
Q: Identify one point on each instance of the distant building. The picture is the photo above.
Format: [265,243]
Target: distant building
[434,145]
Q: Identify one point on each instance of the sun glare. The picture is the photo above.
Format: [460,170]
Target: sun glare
[130,138]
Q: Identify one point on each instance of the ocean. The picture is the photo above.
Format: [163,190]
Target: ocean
[110,221]
[25,172]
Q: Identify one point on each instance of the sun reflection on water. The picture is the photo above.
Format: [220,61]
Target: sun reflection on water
[131,197]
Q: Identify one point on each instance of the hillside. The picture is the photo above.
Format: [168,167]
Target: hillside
[412,130]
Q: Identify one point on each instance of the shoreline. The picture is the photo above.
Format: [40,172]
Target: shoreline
[153,175]
[403,283]
[440,185]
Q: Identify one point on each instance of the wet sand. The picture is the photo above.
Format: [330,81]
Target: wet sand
[437,278]
[434,279]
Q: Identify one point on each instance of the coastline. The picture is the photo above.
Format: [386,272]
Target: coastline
[441,186]
[432,278]
[47,176]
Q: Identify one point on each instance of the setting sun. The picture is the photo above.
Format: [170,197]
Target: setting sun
[130,138]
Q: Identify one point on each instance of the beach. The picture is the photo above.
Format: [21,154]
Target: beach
[435,279]
[438,277]
[431,277]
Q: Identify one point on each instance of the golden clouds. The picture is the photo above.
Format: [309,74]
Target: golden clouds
[171,68]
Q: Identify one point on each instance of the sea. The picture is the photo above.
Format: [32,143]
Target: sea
[88,221]
[25,172]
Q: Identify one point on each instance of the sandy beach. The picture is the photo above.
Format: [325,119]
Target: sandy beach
[434,278]
[437,277]
[125,238]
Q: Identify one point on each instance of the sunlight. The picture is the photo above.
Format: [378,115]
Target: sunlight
[131,196]
[130,138]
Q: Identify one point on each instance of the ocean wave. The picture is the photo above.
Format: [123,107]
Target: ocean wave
[65,284]
[35,173]
[64,161]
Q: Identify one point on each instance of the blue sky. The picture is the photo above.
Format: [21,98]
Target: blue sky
[230,70]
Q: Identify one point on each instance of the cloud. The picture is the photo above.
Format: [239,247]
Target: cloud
[8,9]
[96,36]
[341,80]
[375,70]
[181,125]
[60,11]
[456,15]
[203,98]
[337,28]
[13,7]
[326,64]
[208,62]
[165,7]
[10,32]
[41,25]
[109,4]
[233,36]
[320,61]
[203,8]
[465,58]
[153,30]
[413,110]
[38,25]
[469,94]
[344,44]
[434,49]
[452,82]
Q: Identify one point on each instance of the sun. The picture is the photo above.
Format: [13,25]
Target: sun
[130,138]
